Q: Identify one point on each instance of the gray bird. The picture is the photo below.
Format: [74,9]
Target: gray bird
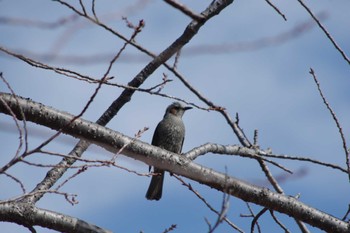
[169,135]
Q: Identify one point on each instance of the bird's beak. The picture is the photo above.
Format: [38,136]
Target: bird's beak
[187,108]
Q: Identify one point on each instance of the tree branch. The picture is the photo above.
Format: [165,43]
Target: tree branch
[29,216]
[178,164]
[342,136]
[337,47]
[184,10]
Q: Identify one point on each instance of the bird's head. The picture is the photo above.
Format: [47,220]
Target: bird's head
[176,109]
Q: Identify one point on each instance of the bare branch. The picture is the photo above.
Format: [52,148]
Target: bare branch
[276,9]
[20,199]
[347,213]
[269,176]
[222,213]
[138,135]
[37,64]
[87,163]
[342,136]
[82,7]
[279,222]
[171,228]
[177,59]
[16,121]
[93,10]
[185,10]
[81,170]
[137,30]
[200,197]
[17,181]
[177,164]
[255,219]
[325,31]
[24,214]
[306,159]
[251,215]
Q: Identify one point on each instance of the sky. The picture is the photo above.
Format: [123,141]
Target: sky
[247,59]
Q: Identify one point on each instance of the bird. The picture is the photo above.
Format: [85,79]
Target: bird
[169,135]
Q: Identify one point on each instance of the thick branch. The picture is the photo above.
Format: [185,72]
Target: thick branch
[151,155]
[28,216]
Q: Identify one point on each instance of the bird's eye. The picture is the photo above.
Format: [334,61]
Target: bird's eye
[174,110]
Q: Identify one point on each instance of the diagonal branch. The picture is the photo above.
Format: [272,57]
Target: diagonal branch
[337,47]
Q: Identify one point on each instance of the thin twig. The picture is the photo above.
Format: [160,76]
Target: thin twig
[342,136]
[325,31]
[255,140]
[278,189]
[269,176]
[15,119]
[251,215]
[31,228]
[137,135]
[279,222]
[177,59]
[17,157]
[93,10]
[185,10]
[306,159]
[88,163]
[206,203]
[17,181]
[137,30]
[347,213]
[62,71]
[223,211]
[81,170]
[160,86]
[69,197]
[83,7]
[276,9]
[255,219]
[171,228]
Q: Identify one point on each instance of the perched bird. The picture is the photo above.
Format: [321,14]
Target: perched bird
[169,135]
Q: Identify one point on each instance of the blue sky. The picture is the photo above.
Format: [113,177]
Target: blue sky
[269,87]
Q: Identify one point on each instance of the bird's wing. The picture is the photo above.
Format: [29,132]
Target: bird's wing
[155,139]
[156,135]
[181,145]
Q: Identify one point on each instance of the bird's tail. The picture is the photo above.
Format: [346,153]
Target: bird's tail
[155,188]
